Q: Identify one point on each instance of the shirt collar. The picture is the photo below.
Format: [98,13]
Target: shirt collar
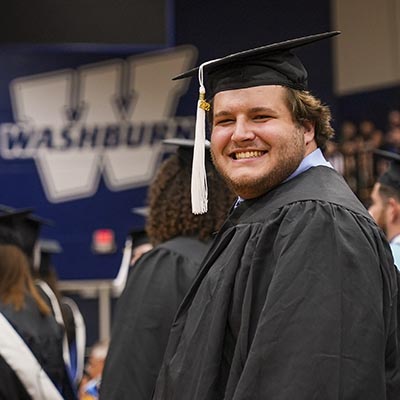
[313,159]
[395,240]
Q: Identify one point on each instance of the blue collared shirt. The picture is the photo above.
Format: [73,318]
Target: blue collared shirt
[395,246]
[314,159]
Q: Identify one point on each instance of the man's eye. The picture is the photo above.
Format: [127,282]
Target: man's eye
[262,117]
[225,121]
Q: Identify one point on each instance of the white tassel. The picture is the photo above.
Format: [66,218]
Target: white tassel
[199,176]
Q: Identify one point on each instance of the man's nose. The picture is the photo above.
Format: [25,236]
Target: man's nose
[242,131]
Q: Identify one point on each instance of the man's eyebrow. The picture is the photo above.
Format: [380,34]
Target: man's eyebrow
[222,113]
[268,110]
[263,109]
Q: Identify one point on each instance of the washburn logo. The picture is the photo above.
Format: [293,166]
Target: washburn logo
[105,119]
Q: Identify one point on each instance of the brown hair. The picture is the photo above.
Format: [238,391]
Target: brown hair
[16,282]
[388,192]
[306,107]
[170,203]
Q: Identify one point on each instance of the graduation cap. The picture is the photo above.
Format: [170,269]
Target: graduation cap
[142,211]
[183,143]
[9,234]
[26,225]
[185,149]
[391,177]
[138,237]
[273,64]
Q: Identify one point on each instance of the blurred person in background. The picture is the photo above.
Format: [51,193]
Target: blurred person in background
[393,139]
[385,202]
[140,239]
[371,138]
[72,319]
[28,226]
[31,359]
[137,243]
[393,119]
[140,244]
[162,276]
[349,146]
[89,386]
[334,156]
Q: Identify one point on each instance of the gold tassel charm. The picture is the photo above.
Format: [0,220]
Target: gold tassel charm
[203,103]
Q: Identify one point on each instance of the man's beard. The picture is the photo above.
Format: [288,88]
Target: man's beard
[289,158]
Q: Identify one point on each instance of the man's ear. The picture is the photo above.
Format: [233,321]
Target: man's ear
[393,209]
[309,131]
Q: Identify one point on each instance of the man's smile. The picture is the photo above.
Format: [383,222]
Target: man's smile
[240,155]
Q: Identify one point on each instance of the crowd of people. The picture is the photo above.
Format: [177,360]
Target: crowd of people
[352,152]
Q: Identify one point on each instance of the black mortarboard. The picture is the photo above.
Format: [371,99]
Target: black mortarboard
[9,234]
[185,148]
[138,237]
[273,64]
[25,223]
[391,177]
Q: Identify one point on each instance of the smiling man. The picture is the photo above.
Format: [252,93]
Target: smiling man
[297,298]
[256,143]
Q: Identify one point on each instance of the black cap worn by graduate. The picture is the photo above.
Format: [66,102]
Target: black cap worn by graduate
[273,64]
[9,234]
[185,150]
[138,235]
[27,225]
[391,177]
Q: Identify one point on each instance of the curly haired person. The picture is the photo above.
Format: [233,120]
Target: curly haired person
[162,276]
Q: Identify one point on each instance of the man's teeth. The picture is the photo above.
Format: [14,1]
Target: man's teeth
[249,154]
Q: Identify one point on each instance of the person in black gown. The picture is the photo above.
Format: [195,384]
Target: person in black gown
[298,296]
[27,312]
[159,280]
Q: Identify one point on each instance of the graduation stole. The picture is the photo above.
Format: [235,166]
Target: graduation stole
[58,317]
[23,362]
[80,337]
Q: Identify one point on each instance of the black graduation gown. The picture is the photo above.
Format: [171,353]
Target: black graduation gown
[297,299]
[43,336]
[144,314]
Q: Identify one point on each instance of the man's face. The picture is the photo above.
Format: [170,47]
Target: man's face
[95,367]
[254,142]
[378,207]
